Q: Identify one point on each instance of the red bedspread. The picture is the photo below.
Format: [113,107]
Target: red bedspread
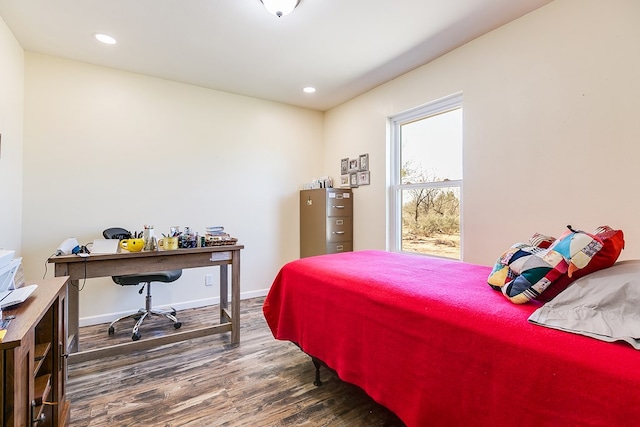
[428,339]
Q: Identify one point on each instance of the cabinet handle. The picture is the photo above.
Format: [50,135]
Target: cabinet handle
[338,206]
[339,248]
[339,222]
[338,232]
[62,354]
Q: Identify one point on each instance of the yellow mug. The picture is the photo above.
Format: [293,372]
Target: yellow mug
[132,245]
[168,243]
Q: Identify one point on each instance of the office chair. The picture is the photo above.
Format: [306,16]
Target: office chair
[145,279]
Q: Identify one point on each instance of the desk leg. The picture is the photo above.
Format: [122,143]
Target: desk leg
[73,301]
[224,294]
[235,297]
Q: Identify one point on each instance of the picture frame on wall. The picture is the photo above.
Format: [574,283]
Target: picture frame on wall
[363,178]
[344,180]
[344,166]
[353,180]
[363,162]
[354,165]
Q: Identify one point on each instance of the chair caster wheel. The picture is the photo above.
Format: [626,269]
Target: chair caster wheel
[112,330]
[177,325]
[136,336]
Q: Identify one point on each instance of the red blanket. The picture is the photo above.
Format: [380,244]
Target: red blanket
[430,340]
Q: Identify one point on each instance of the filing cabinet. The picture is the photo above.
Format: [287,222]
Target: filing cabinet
[326,221]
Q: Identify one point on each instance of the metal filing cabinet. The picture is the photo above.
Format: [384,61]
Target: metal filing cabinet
[326,225]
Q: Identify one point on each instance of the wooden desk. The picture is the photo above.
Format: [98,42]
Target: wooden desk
[105,265]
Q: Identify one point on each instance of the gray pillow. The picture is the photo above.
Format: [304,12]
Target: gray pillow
[602,305]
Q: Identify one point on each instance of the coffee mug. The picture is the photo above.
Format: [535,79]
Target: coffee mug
[168,243]
[132,245]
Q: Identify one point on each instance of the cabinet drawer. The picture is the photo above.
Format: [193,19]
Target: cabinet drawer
[334,248]
[339,229]
[339,204]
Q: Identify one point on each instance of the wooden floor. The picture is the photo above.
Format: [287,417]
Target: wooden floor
[208,382]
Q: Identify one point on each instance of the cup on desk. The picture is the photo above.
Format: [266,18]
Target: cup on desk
[168,243]
[132,245]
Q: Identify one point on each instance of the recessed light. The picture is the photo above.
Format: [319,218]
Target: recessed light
[309,89]
[104,38]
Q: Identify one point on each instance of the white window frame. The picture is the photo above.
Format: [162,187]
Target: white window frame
[394,224]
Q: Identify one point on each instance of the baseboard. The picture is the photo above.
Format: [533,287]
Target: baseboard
[109,317]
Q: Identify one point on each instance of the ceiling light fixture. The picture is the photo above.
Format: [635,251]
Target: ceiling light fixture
[280,8]
[309,89]
[104,38]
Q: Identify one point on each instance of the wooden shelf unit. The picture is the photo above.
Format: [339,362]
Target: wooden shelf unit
[33,365]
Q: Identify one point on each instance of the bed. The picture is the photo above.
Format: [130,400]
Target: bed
[430,340]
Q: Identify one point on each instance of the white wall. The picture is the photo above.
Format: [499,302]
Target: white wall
[109,148]
[11,106]
[550,128]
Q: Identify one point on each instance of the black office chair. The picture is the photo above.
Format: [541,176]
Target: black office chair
[145,279]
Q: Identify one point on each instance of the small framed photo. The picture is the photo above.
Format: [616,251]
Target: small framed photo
[353,181]
[344,180]
[363,178]
[364,162]
[354,165]
[344,166]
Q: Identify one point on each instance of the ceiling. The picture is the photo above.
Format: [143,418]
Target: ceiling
[341,47]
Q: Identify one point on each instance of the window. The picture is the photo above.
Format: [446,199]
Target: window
[426,179]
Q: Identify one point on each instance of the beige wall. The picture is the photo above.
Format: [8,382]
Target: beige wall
[11,88]
[550,128]
[109,148]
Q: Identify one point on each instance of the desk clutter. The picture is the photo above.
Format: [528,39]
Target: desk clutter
[175,239]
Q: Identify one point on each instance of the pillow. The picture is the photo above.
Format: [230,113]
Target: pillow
[501,273]
[602,305]
[541,241]
[577,247]
[524,272]
[612,246]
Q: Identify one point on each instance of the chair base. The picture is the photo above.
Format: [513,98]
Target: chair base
[143,313]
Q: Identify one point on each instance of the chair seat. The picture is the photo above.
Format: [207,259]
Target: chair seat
[156,276]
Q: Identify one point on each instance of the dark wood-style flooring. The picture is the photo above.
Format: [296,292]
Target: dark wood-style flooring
[208,382]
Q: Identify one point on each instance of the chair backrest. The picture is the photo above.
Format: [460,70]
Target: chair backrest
[116,233]
[135,279]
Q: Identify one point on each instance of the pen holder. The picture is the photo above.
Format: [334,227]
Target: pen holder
[168,243]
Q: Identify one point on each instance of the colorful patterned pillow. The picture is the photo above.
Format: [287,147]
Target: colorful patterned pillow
[541,241]
[612,246]
[502,274]
[577,247]
[524,272]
